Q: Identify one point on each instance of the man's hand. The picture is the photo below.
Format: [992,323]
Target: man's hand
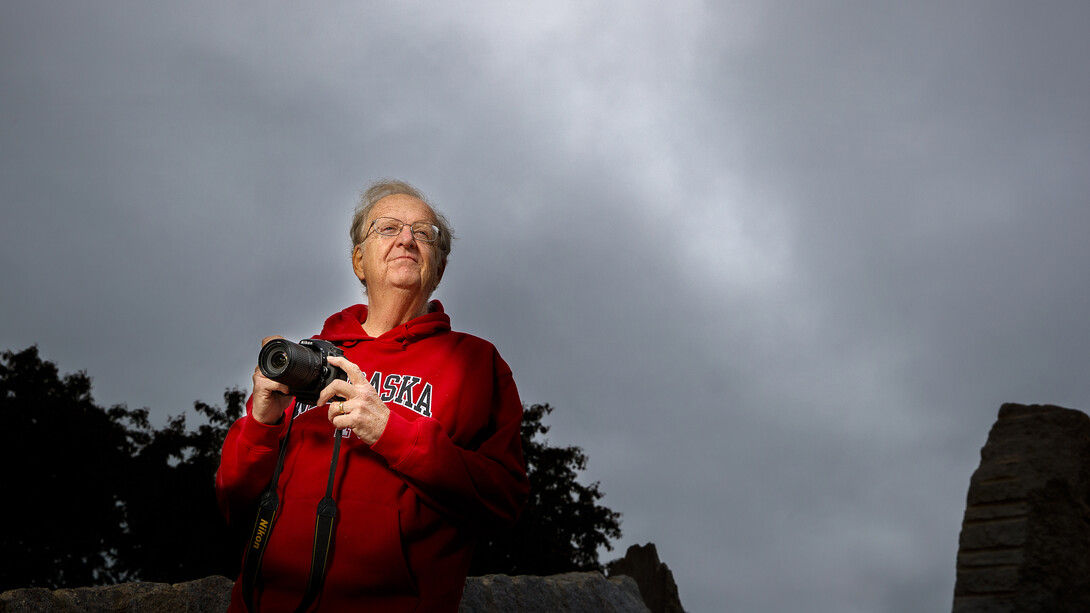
[362,409]
[271,399]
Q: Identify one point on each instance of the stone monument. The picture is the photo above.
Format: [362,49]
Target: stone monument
[1025,538]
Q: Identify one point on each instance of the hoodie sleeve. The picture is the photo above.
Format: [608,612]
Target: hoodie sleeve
[247,462]
[483,483]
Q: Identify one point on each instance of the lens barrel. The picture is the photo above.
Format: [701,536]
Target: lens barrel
[290,363]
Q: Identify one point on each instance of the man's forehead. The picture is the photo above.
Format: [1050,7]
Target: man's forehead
[402,203]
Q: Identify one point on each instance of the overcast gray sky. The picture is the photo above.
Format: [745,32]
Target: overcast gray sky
[775,264]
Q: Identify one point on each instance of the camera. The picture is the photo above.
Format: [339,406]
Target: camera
[302,366]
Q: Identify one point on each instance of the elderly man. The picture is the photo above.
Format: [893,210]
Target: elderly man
[431,454]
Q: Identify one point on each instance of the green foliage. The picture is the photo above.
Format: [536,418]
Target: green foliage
[176,532]
[54,494]
[97,496]
[562,526]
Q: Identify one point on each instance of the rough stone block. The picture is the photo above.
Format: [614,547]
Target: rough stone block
[567,593]
[1025,538]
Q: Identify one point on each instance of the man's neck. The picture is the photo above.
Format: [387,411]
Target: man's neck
[392,311]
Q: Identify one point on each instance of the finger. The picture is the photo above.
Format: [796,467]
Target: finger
[261,382]
[264,383]
[277,389]
[336,389]
[266,340]
[355,375]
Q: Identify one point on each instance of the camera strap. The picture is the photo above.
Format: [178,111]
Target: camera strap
[266,513]
[323,533]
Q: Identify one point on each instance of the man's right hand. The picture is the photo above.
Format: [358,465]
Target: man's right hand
[271,398]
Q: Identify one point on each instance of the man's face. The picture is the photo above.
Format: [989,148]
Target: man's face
[399,262]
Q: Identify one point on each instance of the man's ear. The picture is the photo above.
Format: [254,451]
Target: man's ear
[357,262]
[439,276]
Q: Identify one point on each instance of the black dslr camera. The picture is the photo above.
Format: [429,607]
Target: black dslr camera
[302,366]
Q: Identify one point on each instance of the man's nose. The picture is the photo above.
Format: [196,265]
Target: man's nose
[405,236]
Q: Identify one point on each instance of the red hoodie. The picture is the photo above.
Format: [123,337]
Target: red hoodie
[410,507]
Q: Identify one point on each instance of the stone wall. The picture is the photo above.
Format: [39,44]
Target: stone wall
[567,593]
[1025,538]
[211,595]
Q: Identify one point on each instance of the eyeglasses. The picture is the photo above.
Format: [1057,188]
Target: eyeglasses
[388,226]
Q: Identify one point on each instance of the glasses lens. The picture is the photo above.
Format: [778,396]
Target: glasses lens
[424,231]
[387,226]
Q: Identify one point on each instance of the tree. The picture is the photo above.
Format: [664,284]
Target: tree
[562,526]
[175,529]
[61,453]
[97,496]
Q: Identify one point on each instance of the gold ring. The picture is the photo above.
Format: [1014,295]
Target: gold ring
[341,405]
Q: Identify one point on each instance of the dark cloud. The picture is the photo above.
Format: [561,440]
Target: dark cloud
[776,265]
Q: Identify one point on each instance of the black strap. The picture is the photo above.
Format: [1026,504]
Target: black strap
[323,534]
[266,513]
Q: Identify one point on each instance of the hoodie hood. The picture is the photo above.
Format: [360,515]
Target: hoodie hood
[347,326]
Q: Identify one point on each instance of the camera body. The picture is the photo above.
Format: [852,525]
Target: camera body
[304,366]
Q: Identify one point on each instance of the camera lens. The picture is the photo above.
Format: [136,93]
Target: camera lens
[278,360]
[289,363]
